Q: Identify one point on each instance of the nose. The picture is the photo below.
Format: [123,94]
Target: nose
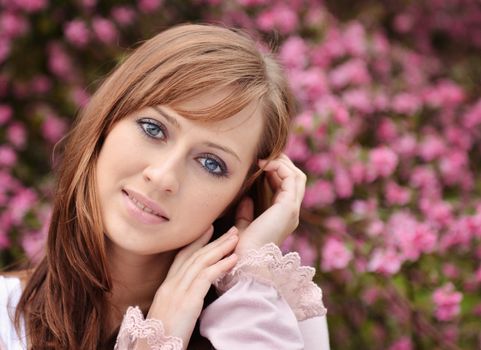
[164,172]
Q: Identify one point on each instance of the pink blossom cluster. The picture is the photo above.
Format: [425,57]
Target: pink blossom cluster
[447,302]
[390,142]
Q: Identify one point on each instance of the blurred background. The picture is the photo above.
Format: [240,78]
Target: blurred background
[388,130]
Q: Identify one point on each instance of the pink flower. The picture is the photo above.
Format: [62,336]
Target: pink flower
[335,224]
[80,97]
[359,100]
[406,103]
[12,25]
[342,183]
[406,145]
[384,261]
[4,239]
[424,177]
[450,270]
[331,106]
[431,147]
[17,135]
[353,72]
[396,194]
[104,30]
[21,203]
[280,17]
[370,295]
[457,137]
[358,172]
[304,122]
[354,39]
[421,240]
[335,255]
[386,131]
[364,207]
[123,15]
[380,43]
[319,194]
[445,94]
[293,52]
[251,2]
[296,148]
[306,250]
[440,212]
[53,128]
[31,5]
[8,157]
[477,275]
[319,163]
[454,166]
[88,4]
[382,162]
[447,302]
[8,182]
[403,343]
[472,118]
[310,84]
[147,6]
[375,228]
[33,244]
[403,23]
[77,32]
[4,49]
[5,113]
[59,62]
[40,84]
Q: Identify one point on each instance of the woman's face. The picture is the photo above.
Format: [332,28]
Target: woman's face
[163,179]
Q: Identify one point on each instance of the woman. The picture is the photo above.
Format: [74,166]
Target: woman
[179,144]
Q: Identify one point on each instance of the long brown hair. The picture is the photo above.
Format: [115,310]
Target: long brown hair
[64,302]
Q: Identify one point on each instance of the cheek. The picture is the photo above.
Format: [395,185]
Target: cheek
[211,204]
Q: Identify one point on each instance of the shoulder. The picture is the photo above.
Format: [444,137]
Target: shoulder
[10,292]
[22,275]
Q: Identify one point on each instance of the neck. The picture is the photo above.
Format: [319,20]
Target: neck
[135,278]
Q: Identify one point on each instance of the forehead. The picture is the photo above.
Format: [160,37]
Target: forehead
[248,120]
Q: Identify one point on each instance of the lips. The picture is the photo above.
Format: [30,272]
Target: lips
[146,205]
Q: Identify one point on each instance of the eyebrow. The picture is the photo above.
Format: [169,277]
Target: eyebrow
[176,124]
[169,118]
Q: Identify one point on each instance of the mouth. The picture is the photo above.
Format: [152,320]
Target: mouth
[141,204]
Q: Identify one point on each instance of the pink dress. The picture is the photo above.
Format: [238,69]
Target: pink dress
[267,301]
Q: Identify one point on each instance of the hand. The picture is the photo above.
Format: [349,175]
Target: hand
[288,184]
[178,301]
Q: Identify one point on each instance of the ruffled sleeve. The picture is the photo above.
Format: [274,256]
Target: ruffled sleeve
[137,333]
[293,281]
[267,301]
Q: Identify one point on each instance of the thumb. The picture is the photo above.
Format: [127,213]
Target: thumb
[244,214]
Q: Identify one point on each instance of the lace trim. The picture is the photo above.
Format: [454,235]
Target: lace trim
[294,282]
[134,327]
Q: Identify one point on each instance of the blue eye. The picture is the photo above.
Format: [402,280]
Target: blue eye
[152,129]
[214,166]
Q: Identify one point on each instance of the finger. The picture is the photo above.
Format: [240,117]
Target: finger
[299,175]
[202,283]
[196,268]
[189,249]
[244,214]
[189,257]
[287,189]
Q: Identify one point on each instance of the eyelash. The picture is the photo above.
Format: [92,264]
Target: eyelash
[142,123]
